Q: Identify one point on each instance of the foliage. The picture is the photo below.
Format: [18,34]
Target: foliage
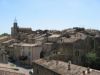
[92,60]
[4,34]
[91,57]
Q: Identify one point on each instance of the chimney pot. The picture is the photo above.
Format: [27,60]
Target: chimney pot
[69,65]
[84,73]
[57,62]
[88,70]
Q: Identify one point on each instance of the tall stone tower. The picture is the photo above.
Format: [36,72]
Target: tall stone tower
[14,29]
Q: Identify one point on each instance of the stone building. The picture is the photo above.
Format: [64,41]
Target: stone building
[74,47]
[56,67]
[3,53]
[3,56]
[53,37]
[25,53]
[20,33]
[46,49]
[5,44]
[40,40]
[3,39]
[30,38]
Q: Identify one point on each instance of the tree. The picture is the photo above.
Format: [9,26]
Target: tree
[91,57]
[92,60]
[4,34]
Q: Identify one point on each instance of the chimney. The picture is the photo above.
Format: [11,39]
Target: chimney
[84,73]
[88,70]
[69,65]
[57,62]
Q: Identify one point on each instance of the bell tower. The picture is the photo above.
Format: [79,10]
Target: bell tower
[14,29]
[15,23]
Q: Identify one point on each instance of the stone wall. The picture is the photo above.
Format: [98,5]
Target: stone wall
[40,70]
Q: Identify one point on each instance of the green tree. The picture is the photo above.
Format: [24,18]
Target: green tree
[4,34]
[92,60]
[91,57]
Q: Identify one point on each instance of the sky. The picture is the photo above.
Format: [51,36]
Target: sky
[49,14]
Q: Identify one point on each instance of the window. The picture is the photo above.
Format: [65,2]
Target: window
[77,53]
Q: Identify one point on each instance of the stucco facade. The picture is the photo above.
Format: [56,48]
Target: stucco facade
[25,53]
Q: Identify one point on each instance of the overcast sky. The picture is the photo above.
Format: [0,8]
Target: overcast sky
[49,14]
